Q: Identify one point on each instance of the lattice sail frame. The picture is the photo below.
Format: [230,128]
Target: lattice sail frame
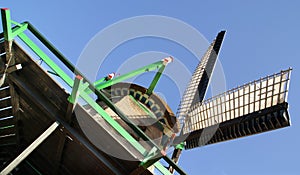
[249,98]
[198,84]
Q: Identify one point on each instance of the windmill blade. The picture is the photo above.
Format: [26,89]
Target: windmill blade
[253,108]
[198,84]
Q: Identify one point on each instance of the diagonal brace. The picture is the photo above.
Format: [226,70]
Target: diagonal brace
[155,80]
[29,149]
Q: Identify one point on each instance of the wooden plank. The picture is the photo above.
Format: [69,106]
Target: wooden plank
[8,130]
[7,140]
[29,149]
[35,76]
[9,149]
[5,103]
[85,164]
[16,110]
[5,113]
[4,92]
[7,122]
[34,121]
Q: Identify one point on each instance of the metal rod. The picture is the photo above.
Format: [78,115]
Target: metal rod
[29,149]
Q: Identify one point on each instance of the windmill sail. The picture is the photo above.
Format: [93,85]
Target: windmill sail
[253,108]
[198,84]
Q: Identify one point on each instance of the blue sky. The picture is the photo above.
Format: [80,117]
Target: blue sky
[262,38]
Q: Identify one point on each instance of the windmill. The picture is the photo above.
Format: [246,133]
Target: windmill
[252,108]
[127,128]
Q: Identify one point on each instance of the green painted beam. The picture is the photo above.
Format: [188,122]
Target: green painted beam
[19,29]
[131,74]
[113,123]
[75,90]
[100,81]
[151,154]
[180,146]
[53,49]
[6,23]
[9,32]
[162,169]
[46,59]
[155,80]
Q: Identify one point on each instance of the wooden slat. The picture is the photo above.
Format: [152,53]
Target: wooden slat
[4,92]
[7,122]
[9,149]
[8,140]
[9,130]
[5,113]
[34,76]
[5,103]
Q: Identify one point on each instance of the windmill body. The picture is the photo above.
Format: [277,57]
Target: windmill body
[127,128]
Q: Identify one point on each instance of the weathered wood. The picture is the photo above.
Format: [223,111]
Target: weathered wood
[4,92]
[5,113]
[29,149]
[32,105]
[7,140]
[15,98]
[8,130]
[7,122]
[34,76]
[5,103]
[37,101]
